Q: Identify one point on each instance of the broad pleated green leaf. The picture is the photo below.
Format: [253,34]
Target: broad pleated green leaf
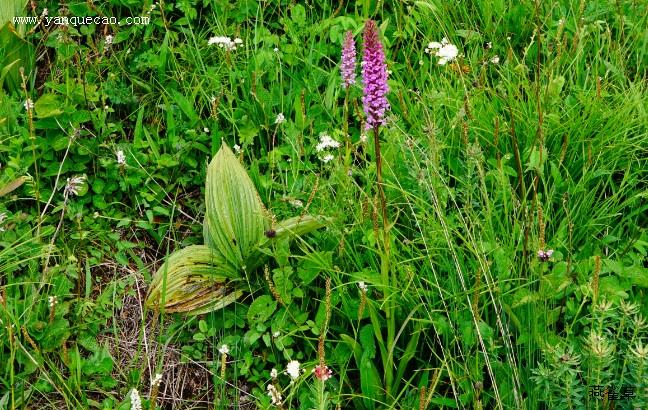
[194,280]
[235,217]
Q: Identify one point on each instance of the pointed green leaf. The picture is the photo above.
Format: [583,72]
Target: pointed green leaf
[235,217]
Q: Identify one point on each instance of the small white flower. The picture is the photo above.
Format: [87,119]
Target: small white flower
[206,130]
[293,369]
[224,42]
[73,185]
[447,53]
[136,401]
[495,60]
[52,300]
[237,148]
[276,49]
[274,394]
[45,12]
[297,204]
[326,158]
[29,104]
[421,62]
[224,349]
[363,286]
[274,373]
[326,142]
[280,118]
[363,138]
[109,39]
[121,158]
[156,379]
[489,45]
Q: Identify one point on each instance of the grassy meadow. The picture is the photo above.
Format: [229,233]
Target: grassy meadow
[193,214]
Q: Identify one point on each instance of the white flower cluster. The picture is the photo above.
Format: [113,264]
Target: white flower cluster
[363,286]
[52,300]
[274,394]
[29,104]
[293,369]
[225,42]
[136,401]
[444,50]
[121,158]
[156,380]
[224,349]
[280,119]
[326,142]
[74,185]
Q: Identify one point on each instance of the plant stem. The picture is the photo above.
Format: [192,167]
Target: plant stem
[384,265]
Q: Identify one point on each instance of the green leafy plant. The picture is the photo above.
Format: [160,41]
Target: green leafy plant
[237,227]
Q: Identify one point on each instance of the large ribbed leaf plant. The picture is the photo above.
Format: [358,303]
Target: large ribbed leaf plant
[237,228]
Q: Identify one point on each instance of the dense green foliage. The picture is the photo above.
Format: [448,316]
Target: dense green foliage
[534,138]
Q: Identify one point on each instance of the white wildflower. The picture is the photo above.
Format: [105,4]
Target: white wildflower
[109,40]
[74,185]
[276,49]
[274,373]
[363,286]
[326,142]
[326,158]
[224,42]
[280,118]
[45,12]
[136,401]
[155,381]
[274,394]
[444,50]
[224,349]
[293,369]
[297,204]
[495,60]
[489,45]
[363,138]
[447,53]
[237,148]
[29,104]
[121,158]
[206,130]
[52,300]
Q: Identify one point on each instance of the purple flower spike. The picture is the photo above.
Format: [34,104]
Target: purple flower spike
[348,60]
[374,77]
